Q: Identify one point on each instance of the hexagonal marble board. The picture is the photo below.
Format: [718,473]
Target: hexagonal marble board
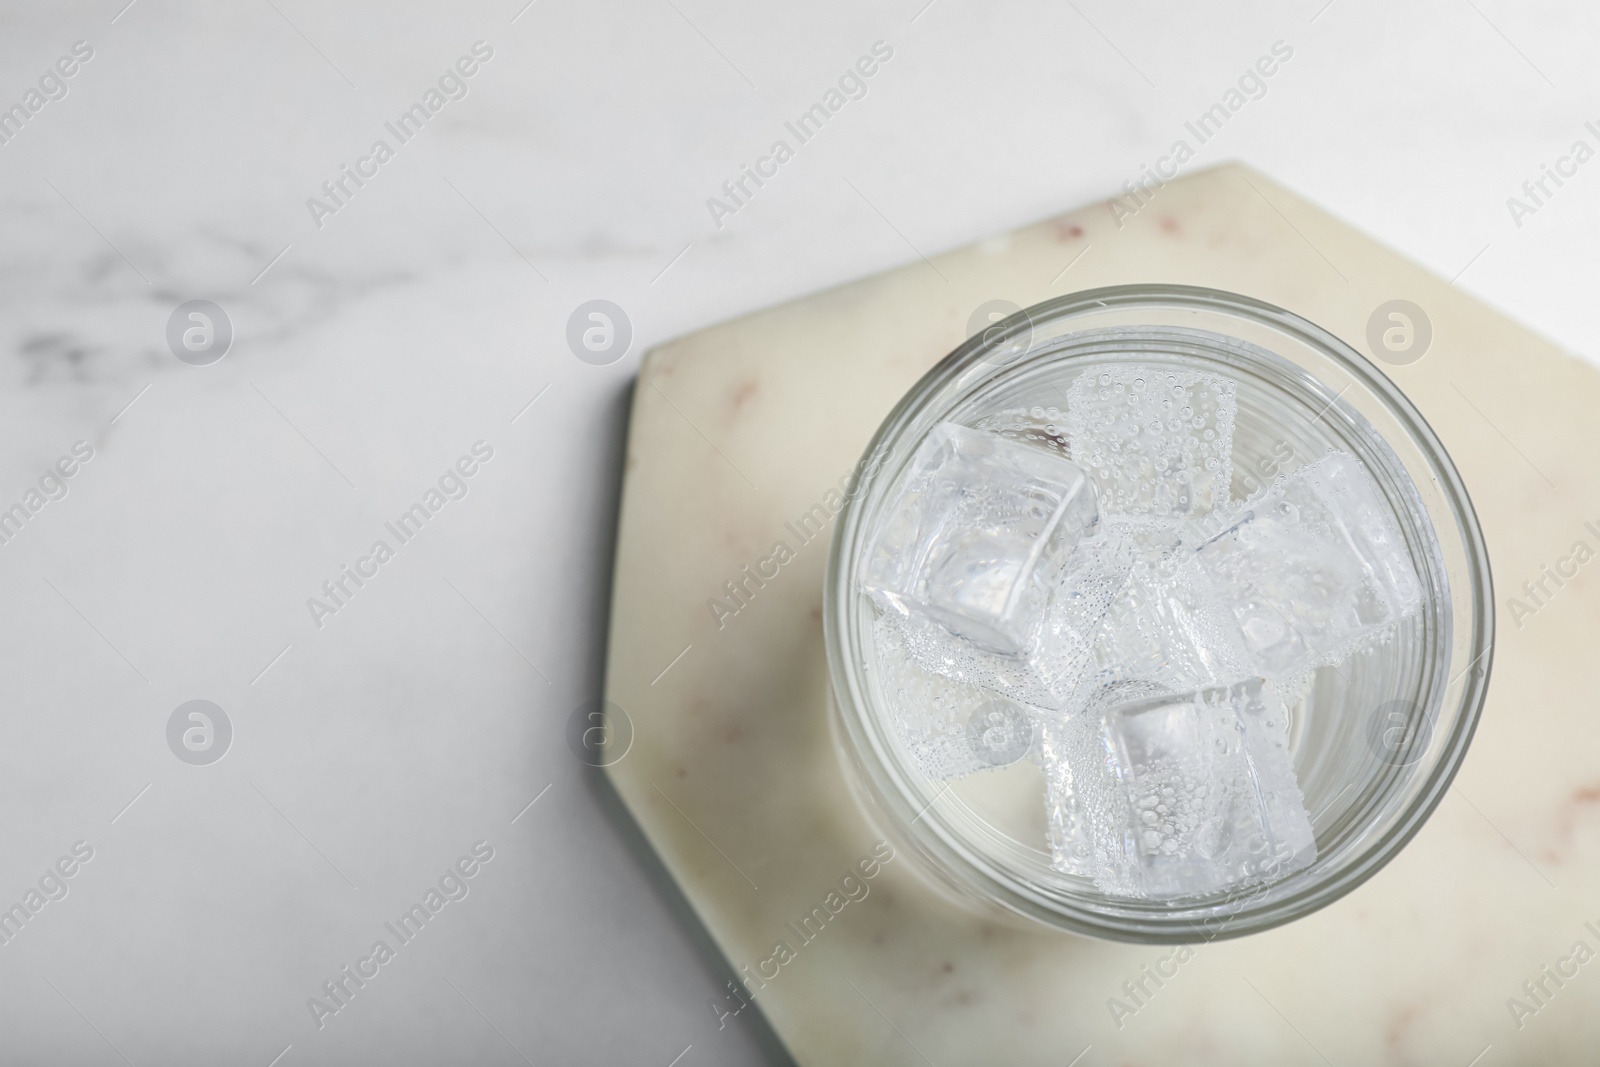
[739,430]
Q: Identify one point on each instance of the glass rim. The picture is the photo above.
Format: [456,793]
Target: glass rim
[888,784]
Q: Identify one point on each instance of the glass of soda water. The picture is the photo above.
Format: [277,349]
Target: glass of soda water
[1159,614]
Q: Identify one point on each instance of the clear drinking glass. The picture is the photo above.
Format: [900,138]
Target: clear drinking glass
[1376,741]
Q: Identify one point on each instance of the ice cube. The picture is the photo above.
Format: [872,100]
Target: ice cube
[1077,783]
[950,729]
[1199,794]
[1048,673]
[1155,540]
[1069,778]
[1156,441]
[1310,567]
[979,535]
[1161,627]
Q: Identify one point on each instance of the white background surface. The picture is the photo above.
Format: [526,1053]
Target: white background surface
[423,317]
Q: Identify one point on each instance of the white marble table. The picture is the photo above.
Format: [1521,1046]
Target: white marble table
[372,352]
